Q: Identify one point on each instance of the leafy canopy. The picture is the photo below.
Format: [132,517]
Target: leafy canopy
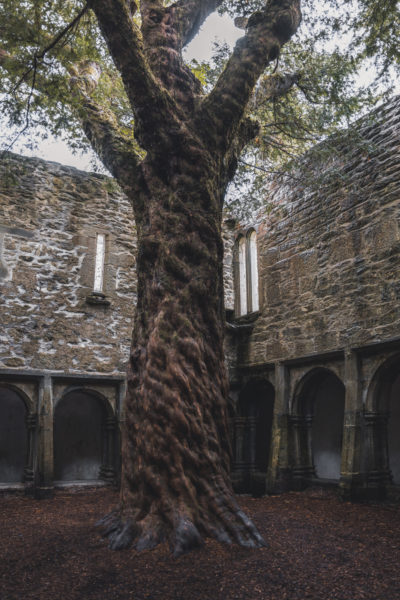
[314,89]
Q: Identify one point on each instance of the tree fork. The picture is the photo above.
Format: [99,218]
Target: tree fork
[176,454]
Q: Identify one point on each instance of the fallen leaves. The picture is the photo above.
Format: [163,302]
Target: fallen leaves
[318,549]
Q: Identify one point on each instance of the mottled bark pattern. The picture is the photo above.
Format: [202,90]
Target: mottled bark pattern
[176,455]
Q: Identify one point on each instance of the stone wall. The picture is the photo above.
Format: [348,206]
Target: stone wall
[329,251]
[50,319]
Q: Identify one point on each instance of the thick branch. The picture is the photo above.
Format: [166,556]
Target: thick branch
[190,15]
[267,32]
[153,107]
[247,131]
[116,150]
[273,86]
[148,5]
[163,50]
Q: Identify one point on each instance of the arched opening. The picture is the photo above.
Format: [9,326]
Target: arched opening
[253,272]
[382,418]
[253,427]
[13,436]
[246,274]
[327,427]
[79,432]
[318,427]
[242,276]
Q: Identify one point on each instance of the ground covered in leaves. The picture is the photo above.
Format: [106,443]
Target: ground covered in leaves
[318,548]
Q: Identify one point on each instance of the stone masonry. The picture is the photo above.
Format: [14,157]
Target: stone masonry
[49,218]
[326,341]
[315,371]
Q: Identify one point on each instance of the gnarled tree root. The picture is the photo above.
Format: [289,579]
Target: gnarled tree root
[183,536]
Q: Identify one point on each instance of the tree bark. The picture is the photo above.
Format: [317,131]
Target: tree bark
[176,455]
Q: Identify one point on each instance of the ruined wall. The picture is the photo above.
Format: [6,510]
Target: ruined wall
[329,251]
[50,216]
[49,318]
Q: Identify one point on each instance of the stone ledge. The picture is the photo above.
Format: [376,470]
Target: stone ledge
[97,299]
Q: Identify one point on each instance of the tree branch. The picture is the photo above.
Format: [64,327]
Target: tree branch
[116,150]
[153,107]
[190,15]
[273,86]
[163,49]
[267,31]
[39,56]
[247,130]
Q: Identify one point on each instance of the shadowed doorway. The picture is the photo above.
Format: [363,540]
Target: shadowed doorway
[253,426]
[13,436]
[79,423]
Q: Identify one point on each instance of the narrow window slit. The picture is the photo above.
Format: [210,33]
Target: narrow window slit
[99,263]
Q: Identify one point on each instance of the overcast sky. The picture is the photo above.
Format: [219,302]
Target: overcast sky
[215,28]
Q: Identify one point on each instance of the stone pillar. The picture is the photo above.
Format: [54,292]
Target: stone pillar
[351,484]
[118,430]
[107,471]
[238,462]
[279,476]
[303,464]
[29,470]
[252,425]
[239,435]
[377,457]
[45,475]
[231,432]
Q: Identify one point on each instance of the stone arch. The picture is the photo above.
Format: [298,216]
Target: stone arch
[84,437]
[382,424]
[317,426]
[252,436]
[15,440]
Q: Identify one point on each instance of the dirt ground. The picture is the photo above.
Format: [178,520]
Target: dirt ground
[318,548]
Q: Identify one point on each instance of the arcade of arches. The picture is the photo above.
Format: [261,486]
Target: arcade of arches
[294,425]
[334,422]
[59,432]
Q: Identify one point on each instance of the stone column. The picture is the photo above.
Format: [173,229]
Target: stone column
[45,476]
[252,425]
[351,484]
[29,470]
[279,476]
[239,434]
[121,394]
[238,462]
[107,471]
[303,464]
[377,459]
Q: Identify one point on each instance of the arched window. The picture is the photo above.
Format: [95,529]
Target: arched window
[253,271]
[247,298]
[242,277]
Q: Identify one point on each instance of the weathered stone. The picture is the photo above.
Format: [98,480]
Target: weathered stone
[49,224]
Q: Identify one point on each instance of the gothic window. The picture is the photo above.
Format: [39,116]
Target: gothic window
[242,277]
[253,271]
[247,298]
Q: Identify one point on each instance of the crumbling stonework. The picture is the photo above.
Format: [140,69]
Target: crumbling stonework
[327,336]
[315,371]
[63,344]
[329,250]
[49,218]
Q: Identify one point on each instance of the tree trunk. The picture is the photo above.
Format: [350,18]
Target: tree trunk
[176,454]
